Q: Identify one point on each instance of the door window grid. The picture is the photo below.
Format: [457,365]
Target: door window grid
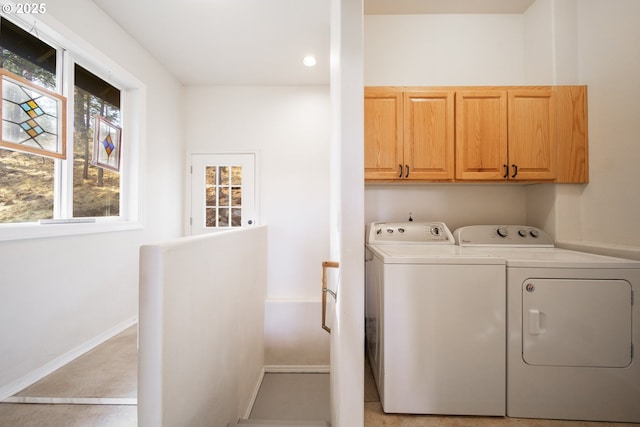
[223,196]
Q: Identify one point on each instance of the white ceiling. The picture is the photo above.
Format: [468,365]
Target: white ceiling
[256,42]
[410,7]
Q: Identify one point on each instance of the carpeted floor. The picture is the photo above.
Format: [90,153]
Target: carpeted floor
[98,389]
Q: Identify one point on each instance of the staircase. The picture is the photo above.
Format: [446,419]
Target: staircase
[278,423]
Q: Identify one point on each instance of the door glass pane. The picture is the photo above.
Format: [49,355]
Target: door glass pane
[211,217]
[236,217]
[223,196]
[224,175]
[236,196]
[222,189]
[236,175]
[223,217]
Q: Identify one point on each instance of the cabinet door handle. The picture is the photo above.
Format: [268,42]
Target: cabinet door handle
[506,170]
[406,175]
[515,171]
[400,174]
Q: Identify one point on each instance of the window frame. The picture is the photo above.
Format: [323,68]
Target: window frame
[73,50]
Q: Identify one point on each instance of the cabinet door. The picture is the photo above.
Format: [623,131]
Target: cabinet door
[481,134]
[532,134]
[429,134]
[383,157]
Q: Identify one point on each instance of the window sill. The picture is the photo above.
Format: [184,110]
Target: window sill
[34,230]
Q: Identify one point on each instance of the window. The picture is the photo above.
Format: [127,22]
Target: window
[96,190]
[86,179]
[26,179]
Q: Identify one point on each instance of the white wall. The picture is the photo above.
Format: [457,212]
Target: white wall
[609,63]
[431,50]
[201,339]
[592,43]
[289,129]
[347,214]
[59,294]
[455,204]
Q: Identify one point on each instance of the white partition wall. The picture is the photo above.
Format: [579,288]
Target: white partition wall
[201,328]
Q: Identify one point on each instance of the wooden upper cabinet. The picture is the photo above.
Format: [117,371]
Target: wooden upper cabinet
[429,141]
[532,134]
[499,133]
[506,134]
[383,152]
[408,134]
[481,134]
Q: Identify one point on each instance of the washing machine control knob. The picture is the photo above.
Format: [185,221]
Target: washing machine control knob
[522,233]
[502,232]
[534,233]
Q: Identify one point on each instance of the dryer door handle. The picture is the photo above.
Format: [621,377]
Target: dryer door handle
[534,322]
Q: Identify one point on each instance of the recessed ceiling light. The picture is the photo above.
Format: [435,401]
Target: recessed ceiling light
[309,60]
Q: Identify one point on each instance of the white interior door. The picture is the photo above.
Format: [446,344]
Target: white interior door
[223,192]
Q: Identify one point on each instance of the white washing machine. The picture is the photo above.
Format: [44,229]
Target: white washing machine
[572,326]
[435,322]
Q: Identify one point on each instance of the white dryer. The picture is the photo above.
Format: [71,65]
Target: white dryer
[435,322]
[572,327]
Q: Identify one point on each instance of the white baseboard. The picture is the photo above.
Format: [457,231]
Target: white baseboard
[256,389]
[39,373]
[298,369]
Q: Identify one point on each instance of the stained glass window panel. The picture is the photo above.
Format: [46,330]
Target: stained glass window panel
[33,119]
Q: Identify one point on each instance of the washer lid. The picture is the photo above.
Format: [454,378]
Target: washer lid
[432,254]
[409,233]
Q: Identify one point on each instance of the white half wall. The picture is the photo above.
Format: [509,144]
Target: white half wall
[201,328]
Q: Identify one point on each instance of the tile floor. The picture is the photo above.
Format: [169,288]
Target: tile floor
[110,371]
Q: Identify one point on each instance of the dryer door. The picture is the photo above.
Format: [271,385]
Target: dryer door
[576,322]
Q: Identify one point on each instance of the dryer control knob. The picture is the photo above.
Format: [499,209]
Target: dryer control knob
[502,232]
[522,233]
[534,233]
